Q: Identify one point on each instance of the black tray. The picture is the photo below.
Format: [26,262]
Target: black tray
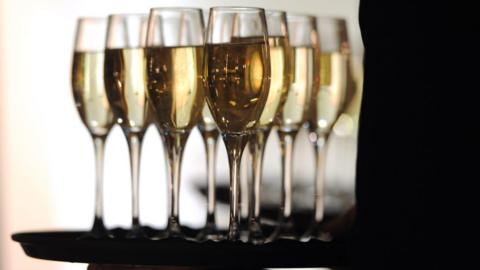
[64,246]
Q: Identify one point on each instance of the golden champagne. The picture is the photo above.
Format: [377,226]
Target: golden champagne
[207,123]
[237,83]
[301,83]
[175,85]
[89,92]
[279,79]
[125,81]
[328,99]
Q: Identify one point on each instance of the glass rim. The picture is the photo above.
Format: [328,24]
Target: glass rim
[276,11]
[75,50]
[237,8]
[178,9]
[93,19]
[302,17]
[127,15]
[332,18]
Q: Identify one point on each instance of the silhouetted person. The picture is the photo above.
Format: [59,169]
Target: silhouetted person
[416,136]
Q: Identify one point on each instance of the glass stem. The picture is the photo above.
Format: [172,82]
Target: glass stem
[235,143]
[257,150]
[210,139]
[287,140]
[135,146]
[320,146]
[99,146]
[174,143]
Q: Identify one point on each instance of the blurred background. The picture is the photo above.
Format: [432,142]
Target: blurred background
[46,154]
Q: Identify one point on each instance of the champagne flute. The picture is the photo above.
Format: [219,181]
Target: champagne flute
[91,101]
[208,130]
[279,82]
[126,91]
[175,88]
[236,74]
[302,37]
[326,105]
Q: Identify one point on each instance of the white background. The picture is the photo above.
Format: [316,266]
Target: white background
[46,156]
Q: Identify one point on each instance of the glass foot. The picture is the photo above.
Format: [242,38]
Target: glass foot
[256,236]
[98,231]
[285,230]
[233,232]
[317,232]
[167,234]
[209,233]
[244,229]
[173,230]
[136,232]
